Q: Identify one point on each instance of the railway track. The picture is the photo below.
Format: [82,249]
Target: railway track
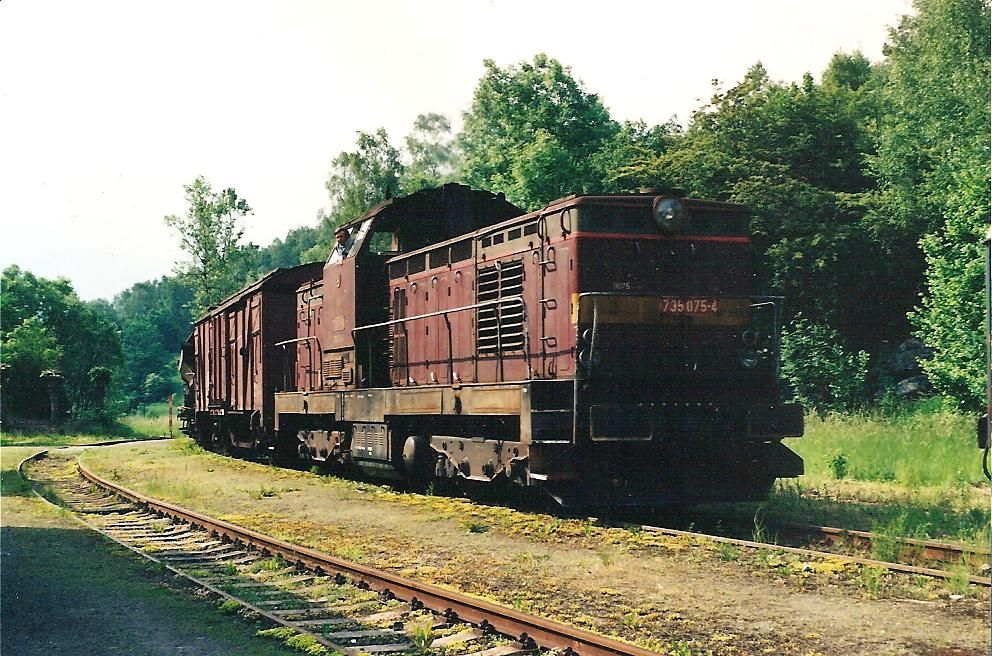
[341,605]
[911,550]
[947,552]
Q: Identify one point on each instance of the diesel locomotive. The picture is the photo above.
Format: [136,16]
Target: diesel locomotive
[607,349]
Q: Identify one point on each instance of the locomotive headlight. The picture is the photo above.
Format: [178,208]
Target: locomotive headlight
[669,214]
[748,359]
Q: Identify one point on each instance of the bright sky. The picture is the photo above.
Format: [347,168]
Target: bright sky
[108,108]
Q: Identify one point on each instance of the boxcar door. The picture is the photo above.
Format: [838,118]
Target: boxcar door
[235,388]
[255,359]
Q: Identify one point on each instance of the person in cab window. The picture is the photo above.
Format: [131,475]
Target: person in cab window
[340,245]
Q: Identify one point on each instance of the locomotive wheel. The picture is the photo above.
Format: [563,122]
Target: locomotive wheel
[418,461]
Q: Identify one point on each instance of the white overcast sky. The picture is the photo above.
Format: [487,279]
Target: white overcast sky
[107,108]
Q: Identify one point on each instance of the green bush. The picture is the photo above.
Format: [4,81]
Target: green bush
[838,466]
[823,374]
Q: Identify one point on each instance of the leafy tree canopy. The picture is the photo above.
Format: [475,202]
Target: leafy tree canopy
[210,232]
[933,160]
[45,326]
[533,131]
[431,151]
[154,318]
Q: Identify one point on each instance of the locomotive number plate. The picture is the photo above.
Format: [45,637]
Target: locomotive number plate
[702,311]
[694,306]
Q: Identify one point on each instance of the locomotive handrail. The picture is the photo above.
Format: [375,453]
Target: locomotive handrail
[298,339]
[444,313]
[429,315]
[775,302]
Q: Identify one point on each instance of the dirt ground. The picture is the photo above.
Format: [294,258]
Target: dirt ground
[662,593]
[67,592]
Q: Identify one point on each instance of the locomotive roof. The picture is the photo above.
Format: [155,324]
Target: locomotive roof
[459,208]
[643,199]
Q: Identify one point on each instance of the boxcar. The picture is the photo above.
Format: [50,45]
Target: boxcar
[230,364]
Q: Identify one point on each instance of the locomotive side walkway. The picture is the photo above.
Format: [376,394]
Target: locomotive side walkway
[654,590]
[66,593]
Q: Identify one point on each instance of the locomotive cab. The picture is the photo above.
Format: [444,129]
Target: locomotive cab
[356,291]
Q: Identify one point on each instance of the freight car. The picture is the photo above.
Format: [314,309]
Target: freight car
[606,349]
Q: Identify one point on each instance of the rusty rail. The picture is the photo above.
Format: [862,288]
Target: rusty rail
[926,549]
[545,633]
[894,567]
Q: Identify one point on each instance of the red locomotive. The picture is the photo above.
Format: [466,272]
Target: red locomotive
[605,348]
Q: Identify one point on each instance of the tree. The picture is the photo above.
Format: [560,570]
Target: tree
[44,326]
[358,181]
[154,319]
[430,147]
[823,373]
[288,251]
[532,132]
[29,350]
[361,179]
[950,318]
[794,153]
[625,161]
[814,133]
[933,162]
[210,232]
[99,379]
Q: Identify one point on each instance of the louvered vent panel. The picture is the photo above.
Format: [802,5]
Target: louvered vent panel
[500,328]
[511,313]
[330,368]
[487,289]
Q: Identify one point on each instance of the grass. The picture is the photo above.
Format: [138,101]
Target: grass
[183,492]
[871,580]
[959,582]
[150,421]
[421,635]
[926,446]
[301,643]
[915,473]
[959,515]
[593,550]
[264,492]
[475,526]
[273,564]
[11,484]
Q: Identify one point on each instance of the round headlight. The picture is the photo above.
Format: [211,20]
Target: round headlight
[669,214]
